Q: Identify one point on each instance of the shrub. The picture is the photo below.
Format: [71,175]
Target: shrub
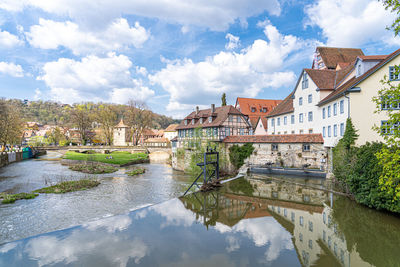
[237,154]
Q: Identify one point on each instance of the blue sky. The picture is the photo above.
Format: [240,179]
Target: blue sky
[178,55]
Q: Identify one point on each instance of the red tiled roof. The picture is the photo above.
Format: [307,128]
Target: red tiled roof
[171,128]
[373,57]
[219,116]
[323,79]
[331,56]
[286,106]
[157,140]
[354,81]
[280,138]
[246,105]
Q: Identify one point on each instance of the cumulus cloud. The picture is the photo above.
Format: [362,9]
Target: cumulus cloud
[352,23]
[216,15]
[11,69]
[247,73]
[118,35]
[233,43]
[93,78]
[8,40]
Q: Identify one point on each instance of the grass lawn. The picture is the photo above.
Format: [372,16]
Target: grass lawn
[118,157]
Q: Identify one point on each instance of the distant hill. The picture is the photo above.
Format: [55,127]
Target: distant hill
[53,113]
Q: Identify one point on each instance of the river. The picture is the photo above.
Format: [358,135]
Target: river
[118,193]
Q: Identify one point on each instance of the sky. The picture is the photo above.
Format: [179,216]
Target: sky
[178,54]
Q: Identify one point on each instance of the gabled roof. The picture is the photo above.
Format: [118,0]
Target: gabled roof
[323,79]
[354,81]
[286,106]
[331,56]
[279,138]
[219,116]
[246,105]
[171,128]
[373,57]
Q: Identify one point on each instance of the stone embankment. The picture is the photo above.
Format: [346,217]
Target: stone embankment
[16,156]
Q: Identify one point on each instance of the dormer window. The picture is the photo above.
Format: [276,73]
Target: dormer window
[186,122]
[201,120]
[193,122]
[210,119]
[359,70]
[264,110]
[253,109]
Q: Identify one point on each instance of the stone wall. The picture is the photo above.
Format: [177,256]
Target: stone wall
[286,155]
[10,157]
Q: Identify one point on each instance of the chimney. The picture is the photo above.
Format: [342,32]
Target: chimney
[197,109]
[212,108]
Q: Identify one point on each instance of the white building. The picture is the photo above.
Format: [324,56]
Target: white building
[323,95]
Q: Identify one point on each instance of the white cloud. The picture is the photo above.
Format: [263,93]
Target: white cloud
[352,23]
[245,73]
[93,79]
[38,94]
[233,43]
[11,69]
[118,35]
[216,15]
[8,40]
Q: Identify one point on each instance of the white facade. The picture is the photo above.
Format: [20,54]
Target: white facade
[260,129]
[170,135]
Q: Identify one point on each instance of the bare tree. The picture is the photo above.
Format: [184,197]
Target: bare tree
[107,116]
[139,118]
[82,119]
[11,124]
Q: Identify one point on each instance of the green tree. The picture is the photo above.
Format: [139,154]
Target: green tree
[11,124]
[223,99]
[237,154]
[81,117]
[393,6]
[107,116]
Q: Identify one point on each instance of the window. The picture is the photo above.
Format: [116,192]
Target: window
[201,120]
[310,131]
[310,244]
[241,131]
[230,118]
[342,129]
[306,147]
[310,226]
[341,106]
[301,131]
[292,216]
[393,76]
[304,83]
[301,237]
[193,122]
[329,131]
[285,120]
[300,101]
[186,121]
[310,116]
[215,132]
[273,122]
[323,131]
[264,110]
[335,109]
[323,113]
[210,119]
[359,70]
[238,119]
[274,147]
[390,104]
[388,128]
[228,131]
[292,132]
[329,111]
[309,98]
[253,109]
[278,121]
[301,117]
[301,220]
[335,130]
[292,119]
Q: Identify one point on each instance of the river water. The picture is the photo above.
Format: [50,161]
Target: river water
[117,193]
[253,221]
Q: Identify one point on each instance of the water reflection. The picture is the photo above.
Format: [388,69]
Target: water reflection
[249,222]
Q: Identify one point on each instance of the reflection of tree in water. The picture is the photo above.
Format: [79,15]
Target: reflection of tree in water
[241,185]
[374,235]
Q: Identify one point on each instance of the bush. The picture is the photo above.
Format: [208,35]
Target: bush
[237,154]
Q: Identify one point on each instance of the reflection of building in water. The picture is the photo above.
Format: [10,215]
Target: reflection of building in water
[316,236]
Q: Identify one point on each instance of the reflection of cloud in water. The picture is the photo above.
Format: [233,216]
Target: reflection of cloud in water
[115,249]
[262,231]
[233,244]
[175,214]
[7,247]
[112,224]
[219,260]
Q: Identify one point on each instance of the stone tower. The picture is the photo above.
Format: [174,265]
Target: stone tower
[121,132]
